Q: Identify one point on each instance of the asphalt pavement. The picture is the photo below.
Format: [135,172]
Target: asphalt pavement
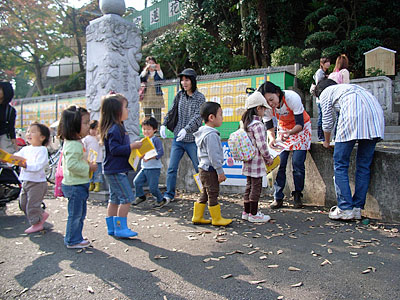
[300,254]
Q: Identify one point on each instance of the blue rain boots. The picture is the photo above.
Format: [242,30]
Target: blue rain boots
[110,225]
[121,228]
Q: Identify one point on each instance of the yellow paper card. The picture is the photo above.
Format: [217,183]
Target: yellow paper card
[92,157]
[198,182]
[136,154]
[275,164]
[4,155]
[147,145]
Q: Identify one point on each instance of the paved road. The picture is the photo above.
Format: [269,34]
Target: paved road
[173,259]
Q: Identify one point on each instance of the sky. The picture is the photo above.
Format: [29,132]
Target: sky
[137,4]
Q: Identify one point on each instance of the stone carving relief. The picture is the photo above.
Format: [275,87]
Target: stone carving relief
[113,53]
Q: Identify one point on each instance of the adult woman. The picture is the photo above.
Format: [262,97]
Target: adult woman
[321,73]
[340,74]
[361,121]
[187,102]
[294,131]
[153,99]
[7,118]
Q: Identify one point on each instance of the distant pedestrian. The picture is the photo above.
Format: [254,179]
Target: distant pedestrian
[188,120]
[8,115]
[320,74]
[113,112]
[153,96]
[361,121]
[150,166]
[91,142]
[211,156]
[33,176]
[74,126]
[341,73]
[294,131]
[254,169]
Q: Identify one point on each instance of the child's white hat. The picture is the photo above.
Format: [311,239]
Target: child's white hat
[256,99]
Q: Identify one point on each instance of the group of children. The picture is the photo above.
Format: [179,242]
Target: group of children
[80,135]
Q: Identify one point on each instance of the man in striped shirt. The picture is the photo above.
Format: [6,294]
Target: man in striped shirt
[361,120]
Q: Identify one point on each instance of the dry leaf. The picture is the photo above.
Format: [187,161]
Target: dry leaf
[257,281]
[160,257]
[272,266]
[293,236]
[126,250]
[214,259]
[69,275]
[297,284]
[263,257]
[294,269]
[279,252]
[206,259]
[210,267]
[326,262]
[152,270]
[226,276]
[90,289]
[330,251]
[252,252]
[280,298]
[24,291]
[366,271]
[372,269]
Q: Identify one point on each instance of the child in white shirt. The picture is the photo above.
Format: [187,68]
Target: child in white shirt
[91,142]
[33,176]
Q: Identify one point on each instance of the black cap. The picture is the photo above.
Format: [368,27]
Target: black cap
[188,72]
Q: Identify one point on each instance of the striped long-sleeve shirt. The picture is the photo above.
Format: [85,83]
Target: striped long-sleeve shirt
[361,115]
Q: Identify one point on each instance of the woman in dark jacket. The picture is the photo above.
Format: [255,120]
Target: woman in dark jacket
[7,118]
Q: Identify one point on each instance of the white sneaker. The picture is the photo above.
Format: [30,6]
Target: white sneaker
[245,216]
[357,213]
[259,218]
[337,214]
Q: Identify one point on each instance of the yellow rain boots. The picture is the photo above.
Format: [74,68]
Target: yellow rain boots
[198,212]
[91,187]
[217,219]
[97,187]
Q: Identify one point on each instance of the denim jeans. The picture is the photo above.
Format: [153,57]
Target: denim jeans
[119,188]
[321,136]
[77,196]
[98,174]
[177,151]
[151,177]
[299,171]
[341,158]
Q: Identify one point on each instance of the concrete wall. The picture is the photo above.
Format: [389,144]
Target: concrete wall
[383,199]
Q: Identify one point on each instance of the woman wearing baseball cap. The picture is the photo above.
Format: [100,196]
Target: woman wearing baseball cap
[294,132]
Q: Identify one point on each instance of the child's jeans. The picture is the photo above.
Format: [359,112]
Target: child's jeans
[77,196]
[151,176]
[98,174]
[209,180]
[31,198]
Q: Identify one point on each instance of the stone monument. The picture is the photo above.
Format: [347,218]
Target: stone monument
[113,53]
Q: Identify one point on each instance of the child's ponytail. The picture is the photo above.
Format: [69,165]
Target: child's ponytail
[248,117]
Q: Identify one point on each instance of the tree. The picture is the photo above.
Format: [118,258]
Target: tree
[28,32]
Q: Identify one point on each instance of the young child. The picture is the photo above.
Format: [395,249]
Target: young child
[113,112]
[211,159]
[150,168]
[33,177]
[74,125]
[254,169]
[91,142]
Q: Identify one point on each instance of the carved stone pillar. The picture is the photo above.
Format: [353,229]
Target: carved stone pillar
[113,53]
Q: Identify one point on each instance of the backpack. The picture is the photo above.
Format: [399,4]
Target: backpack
[241,146]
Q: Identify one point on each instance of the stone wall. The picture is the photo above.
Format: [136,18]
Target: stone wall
[383,199]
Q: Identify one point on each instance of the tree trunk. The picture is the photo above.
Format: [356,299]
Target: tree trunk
[244,12]
[38,74]
[263,27]
[255,57]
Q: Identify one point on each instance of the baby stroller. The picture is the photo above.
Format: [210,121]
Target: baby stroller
[10,186]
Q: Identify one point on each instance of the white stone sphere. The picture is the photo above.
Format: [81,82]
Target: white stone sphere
[112,7]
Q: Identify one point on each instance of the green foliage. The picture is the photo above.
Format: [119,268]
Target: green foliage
[286,55]
[329,22]
[375,72]
[305,77]
[332,51]
[320,38]
[364,32]
[310,54]
[239,62]
[75,82]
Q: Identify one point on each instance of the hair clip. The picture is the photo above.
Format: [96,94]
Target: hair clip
[112,92]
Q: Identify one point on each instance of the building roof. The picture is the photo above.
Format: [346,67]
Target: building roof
[383,48]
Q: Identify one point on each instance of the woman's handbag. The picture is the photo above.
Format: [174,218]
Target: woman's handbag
[58,179]
[172,116]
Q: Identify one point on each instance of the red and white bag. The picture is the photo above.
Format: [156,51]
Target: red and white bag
[58,178]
